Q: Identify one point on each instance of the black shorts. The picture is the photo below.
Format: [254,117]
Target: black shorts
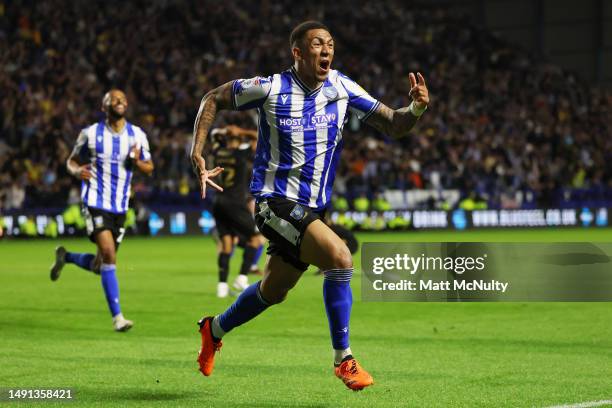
[234,218]
[98,220]
[284,223]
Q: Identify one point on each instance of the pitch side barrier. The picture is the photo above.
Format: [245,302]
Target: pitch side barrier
[201,222]
[481,219]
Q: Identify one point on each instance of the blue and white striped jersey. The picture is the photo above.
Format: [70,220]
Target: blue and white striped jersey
[109,187]
[300,132]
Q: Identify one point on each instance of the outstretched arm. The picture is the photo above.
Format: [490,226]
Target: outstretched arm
[215,100]
[398,123]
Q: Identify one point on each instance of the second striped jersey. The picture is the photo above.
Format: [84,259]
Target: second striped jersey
[111,168]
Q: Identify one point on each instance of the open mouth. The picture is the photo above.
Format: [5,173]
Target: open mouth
[324,65]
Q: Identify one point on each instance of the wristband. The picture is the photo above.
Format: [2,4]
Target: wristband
[416,111]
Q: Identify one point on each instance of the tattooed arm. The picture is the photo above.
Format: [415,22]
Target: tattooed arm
[398,123]
[215,100]
[241,94]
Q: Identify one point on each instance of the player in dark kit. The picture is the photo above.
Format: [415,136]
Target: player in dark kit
[230,209]
[302,112]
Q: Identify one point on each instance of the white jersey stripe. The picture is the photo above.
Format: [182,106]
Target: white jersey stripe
[297,140]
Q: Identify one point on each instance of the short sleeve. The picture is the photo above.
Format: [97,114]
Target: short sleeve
[250,93]
[360,102]
[81,150]
[145,152]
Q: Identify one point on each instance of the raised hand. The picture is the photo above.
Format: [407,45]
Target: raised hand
[204,176]
[418,90]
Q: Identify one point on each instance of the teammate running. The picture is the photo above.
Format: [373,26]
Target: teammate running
[104,158]
[302,112]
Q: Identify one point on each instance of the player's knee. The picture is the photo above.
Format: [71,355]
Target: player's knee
[278,296]
[341,257]
[96,263]
[108,255]
[274,295]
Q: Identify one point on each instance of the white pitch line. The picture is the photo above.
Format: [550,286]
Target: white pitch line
[587,404]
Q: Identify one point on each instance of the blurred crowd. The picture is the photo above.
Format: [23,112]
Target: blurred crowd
[502,125]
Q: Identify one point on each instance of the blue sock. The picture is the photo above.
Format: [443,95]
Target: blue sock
[111,288]
[258,255]
[338,300]
[85,261]
[249,304]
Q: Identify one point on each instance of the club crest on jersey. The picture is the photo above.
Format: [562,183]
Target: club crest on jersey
[330,92]
[298,212]
[284,98]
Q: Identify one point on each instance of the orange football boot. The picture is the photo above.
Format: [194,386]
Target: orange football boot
[206,356]
[353,376]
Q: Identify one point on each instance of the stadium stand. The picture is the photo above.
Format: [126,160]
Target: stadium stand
[504,128]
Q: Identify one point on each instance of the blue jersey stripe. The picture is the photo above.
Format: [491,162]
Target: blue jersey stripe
[128,176]
[99,168]
[331,174]
[331,142]
[262,154]
[310,153]
[114,176]
[284,140]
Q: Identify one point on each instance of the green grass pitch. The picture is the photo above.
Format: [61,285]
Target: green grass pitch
[59,334]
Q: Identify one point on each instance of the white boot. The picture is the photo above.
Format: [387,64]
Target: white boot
[241,282]
[222,290]
[121,324]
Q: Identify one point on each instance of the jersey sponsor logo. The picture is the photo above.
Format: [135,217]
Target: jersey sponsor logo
[308,120]
[318,119]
